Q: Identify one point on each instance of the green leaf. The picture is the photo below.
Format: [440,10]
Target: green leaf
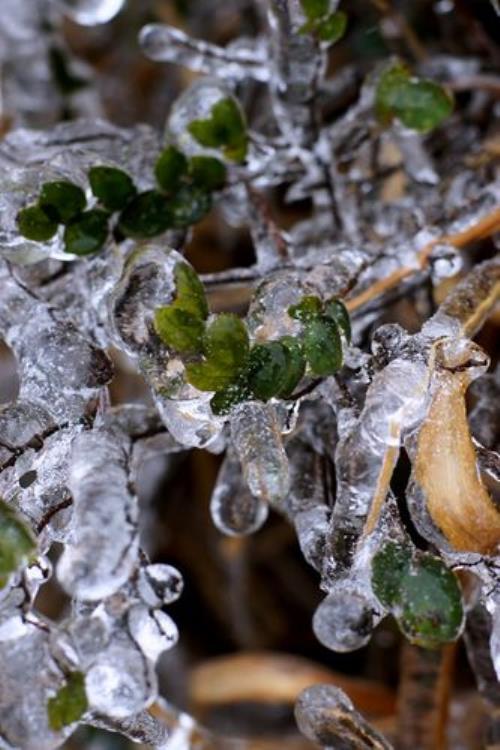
[322,346]
[35,224]
[188,206]
[308,308]
[431,611]
[295,365]
[315,9]
[146,215]
[224,129]
[170,169]
[62,200]
[389,566]
[69,704]
[207,172]
[420,104]
[87,233]
[190,291]
[208,375]
[236,392]
[16,542]
[112,187]
[226,343]
[337,311]
[179,329]
[267,369]
[332,28]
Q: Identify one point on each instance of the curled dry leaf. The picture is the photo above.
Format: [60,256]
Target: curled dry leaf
[446,468]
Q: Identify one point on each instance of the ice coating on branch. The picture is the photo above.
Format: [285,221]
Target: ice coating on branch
[73,370]
[257,441]
[104,543]
[239,60]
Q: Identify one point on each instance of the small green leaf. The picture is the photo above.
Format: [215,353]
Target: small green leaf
[337,311]
[333,28]
[62,199]
[69,704]
[87,233]
[267,369]
[16,542]
[226,343]
[207,172]
[224,129]
[188,206]
[35,224]
[295,365]
[315,9]
[179,329]
[236,392]
[308,308]
[322,346]
[389,565]
[113,187]
[420,104]
[208,375]
[146,215]
[170,169]
[431,611]
[190,291]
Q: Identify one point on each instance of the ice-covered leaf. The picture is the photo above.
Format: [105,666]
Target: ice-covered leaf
[170,169]
[17,542]
[62,200]
[86,233]
[225,129]
[111,186]
[180,329]
[146,215]
[35,224]
[70,702]
[420,104]
[322,346]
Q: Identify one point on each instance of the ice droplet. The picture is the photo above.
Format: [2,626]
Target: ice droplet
[159,584]
[90,12]
[235,511]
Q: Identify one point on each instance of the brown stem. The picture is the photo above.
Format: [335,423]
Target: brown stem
[423,697]
[484,228]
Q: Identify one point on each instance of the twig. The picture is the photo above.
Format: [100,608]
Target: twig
[484,228]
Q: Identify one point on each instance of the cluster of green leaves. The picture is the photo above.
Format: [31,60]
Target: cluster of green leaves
[69,704]
[420,104]
[218,355]
[326,26]
[225,129]
[420,592]
[182,197]
[17,543]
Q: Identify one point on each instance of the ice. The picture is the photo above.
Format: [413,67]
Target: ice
[239,60]
[148,283]
[258,444]
[104,544]
[326,715]
[90,12]
[154,632]
[234,510]
[159,584]
[120,682]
